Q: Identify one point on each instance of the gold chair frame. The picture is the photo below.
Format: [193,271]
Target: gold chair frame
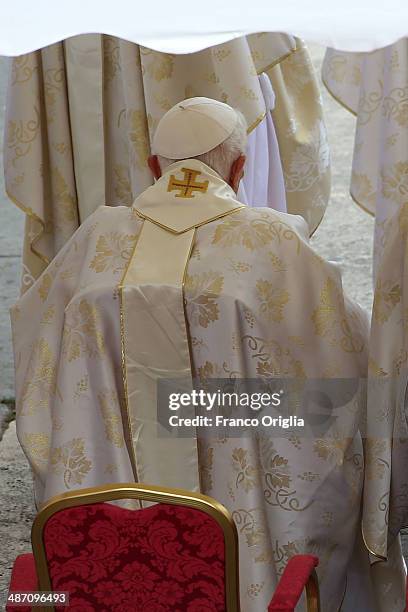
[313,593]
[148,493]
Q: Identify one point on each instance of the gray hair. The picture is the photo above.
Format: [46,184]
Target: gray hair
[223,155]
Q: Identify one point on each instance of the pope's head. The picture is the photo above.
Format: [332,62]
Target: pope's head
[203,129]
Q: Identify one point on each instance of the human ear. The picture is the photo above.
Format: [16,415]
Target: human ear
[154,165]
[237,172]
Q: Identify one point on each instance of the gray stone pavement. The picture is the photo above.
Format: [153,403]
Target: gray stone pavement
[16,507]
[11,230]
[345,236]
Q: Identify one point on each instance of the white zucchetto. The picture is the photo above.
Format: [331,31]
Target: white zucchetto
[193,127]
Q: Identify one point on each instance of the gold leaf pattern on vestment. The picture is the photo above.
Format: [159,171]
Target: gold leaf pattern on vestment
[387,296]
[272,300]
[111,415]
[45,286]
[70,460]
[201,294]
[40,381]
[82,334]
[253,234]
[247,472]
[113,252]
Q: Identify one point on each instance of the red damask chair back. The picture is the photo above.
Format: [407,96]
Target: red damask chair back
[180,555]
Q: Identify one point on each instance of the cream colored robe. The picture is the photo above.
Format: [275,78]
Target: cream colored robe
[258,303]
[81,115]
[385,509]
[374,87]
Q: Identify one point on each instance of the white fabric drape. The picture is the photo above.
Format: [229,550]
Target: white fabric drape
[263,183]
[374,87]
[183,28]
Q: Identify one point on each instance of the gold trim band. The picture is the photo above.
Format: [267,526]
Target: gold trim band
[360,205]
[279,60]
[379,557]
[339,100]
[187,229]
[126,420]
[256,122]
[313,593]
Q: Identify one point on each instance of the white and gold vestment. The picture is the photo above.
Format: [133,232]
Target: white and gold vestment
[189,281]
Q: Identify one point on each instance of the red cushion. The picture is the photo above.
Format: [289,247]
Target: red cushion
[23,578]
[292,583]
[162,558]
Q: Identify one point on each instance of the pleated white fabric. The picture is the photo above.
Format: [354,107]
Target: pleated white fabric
[178,28]
[263,183]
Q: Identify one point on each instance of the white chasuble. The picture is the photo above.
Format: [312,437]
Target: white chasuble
[188,282]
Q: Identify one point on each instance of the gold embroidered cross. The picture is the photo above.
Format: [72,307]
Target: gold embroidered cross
[188,185]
